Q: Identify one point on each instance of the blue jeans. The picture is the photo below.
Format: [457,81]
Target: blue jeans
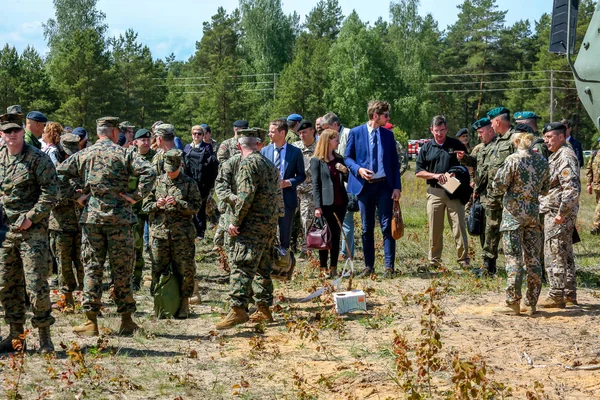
[146,233]
[377,196]
[348,227]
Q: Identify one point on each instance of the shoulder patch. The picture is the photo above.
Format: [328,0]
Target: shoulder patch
[566,173]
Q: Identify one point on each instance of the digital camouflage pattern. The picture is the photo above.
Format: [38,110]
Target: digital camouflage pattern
[28,189]
[256,213]
[226,191]
[523,178]
[107,218]
[592,173]
[227,149]
[562,199]
[172,230]
[304,190]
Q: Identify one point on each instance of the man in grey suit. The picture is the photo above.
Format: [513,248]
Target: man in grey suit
[290,163]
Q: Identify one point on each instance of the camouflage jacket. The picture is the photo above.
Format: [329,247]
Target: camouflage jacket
[305,188]
[563,194]
[540,147]
[592,171]
[133,180]
[227,149]
[29,187]
[256,209]
[104,170]
[225,185]
[291,137]
[65,215]
[31,140]
[173,220]
[522,179]
[480,160]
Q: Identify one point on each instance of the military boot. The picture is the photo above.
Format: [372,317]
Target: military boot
[195,299]
[128,327]
[528,309]
[7,346]
[263,313]
[489,265]
[184,308]
[508,309]
[46,345]
[551,302]
[90,327]
[69,302]
[236,316]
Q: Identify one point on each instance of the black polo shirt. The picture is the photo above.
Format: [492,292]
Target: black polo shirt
[438,159]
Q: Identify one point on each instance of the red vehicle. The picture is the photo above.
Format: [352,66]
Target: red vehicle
[414,146]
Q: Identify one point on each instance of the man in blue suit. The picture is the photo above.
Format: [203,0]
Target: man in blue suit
[375,179]
[288,159]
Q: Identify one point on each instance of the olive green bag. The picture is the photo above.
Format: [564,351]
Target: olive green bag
[166,296]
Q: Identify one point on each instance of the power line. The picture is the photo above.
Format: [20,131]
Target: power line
[487,82]
[498,90]
[499,73]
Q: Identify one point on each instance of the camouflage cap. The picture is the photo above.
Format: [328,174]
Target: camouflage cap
[4,126]
[165,131]
[9,117]
[261,134]
[70,143]
[480,123]
[494,112]
[173,160]
[521,115]
[126,124]
[111,122]
[16,109]
[247,132]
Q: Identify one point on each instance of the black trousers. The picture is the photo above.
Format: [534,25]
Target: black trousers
[200,220]
[329,213]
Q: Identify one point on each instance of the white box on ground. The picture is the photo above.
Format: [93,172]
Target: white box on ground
[353,300]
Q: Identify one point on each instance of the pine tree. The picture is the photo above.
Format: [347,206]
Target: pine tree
[10,71]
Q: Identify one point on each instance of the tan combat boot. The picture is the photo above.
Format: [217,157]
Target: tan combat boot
[508,309]
[550,302]
[128,327]
[236,316]
[571,301]
[46,345]
[528,309]
[263,313]
[7,345]
[184,308]
[195,299]
[69,303]
[90,327]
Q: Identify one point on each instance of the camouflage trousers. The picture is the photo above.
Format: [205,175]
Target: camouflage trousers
[522,254]
[307,212]
[138,239]
[176,253]
[493,217]
[24,265]
[221,232]
[559,257]
[117,242]
[66,248]
[251,264]
[596,220]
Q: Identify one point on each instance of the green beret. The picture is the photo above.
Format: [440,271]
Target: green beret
[143,134]
[165,131]
[173,160]
[494,112]
[520,115]
[480,123]
[111,122]
[70,143]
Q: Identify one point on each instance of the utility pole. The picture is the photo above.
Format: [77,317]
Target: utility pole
[274,84]
[551,95]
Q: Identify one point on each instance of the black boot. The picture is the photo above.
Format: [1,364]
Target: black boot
[6,346]
[490,265]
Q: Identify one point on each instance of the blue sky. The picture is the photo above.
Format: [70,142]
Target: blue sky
[174,26]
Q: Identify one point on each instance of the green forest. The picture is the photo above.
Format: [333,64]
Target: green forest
[258,63]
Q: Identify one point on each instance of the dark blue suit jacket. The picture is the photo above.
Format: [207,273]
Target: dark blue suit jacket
[294,171]
[357,156]
[578,149]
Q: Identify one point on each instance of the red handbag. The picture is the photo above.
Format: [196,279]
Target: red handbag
[319,236]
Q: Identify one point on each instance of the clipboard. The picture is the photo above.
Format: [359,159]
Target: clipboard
[452,183]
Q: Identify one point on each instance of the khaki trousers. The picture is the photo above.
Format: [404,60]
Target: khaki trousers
[439,205]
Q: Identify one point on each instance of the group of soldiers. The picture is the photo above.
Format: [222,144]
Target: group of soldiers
[529,187]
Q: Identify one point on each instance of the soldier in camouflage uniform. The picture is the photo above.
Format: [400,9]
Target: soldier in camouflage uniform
[107,219]
[522,178]
[229,147]
[165,141]
[141,142]
[530,119]
[592,173]
[65,232]
[172,205]
[293,122]
[34,128]
[305,199]
[560,209]
[253,227]
[29,191]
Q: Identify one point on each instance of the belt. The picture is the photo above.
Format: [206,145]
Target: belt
[377,180]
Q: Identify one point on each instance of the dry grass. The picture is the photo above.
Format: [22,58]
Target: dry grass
[310,352]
